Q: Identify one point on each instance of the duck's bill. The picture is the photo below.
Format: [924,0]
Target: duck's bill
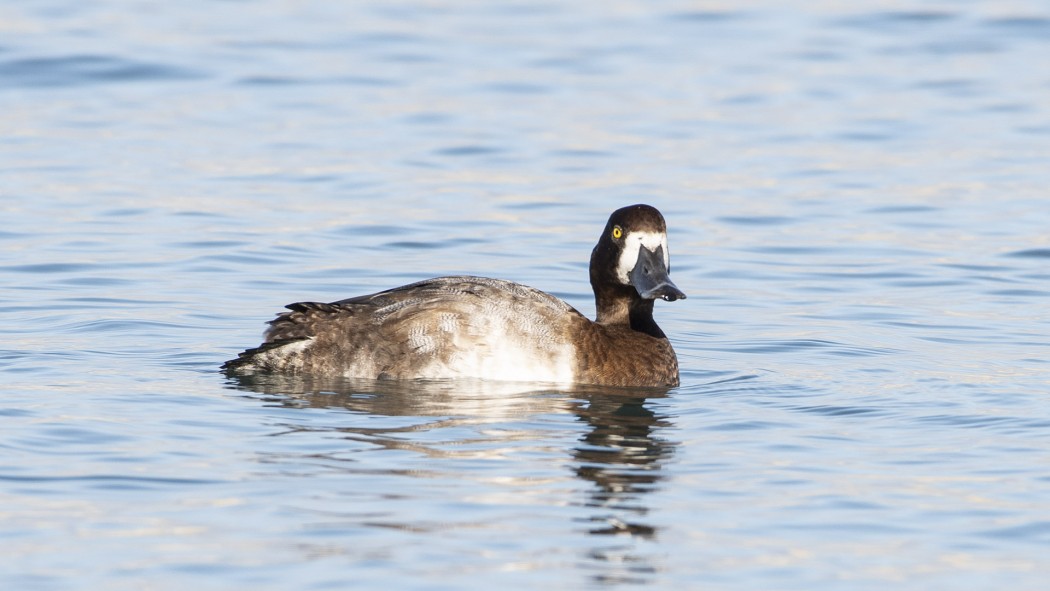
[651,279]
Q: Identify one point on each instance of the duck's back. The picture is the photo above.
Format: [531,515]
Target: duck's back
[448,327]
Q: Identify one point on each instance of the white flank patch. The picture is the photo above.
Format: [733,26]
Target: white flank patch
[501,343]
[629,256]
[511,363]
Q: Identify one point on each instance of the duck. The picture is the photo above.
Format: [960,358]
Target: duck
[493,329]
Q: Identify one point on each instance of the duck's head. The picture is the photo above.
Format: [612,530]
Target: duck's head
[632,256]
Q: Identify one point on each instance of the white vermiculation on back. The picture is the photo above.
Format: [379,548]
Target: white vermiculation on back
[449,322]
[421,342]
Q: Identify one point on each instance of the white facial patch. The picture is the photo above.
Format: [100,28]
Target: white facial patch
[629,256]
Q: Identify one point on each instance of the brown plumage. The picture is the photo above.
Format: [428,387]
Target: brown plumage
[474,327]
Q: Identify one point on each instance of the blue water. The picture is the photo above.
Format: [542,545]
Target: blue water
[858,210]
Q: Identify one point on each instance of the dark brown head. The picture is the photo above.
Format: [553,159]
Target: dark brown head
[630,268]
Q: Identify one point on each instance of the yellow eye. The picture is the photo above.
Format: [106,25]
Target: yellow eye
[617,232]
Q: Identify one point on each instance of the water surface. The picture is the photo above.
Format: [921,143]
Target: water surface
[857,205]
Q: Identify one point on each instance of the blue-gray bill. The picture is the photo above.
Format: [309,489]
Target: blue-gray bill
[650,276]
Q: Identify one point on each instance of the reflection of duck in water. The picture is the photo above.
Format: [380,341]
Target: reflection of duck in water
[619,452]
[622,457]
[472,327]
[468,400]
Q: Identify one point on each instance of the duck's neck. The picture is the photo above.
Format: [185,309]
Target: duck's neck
[642,318]
[623,307]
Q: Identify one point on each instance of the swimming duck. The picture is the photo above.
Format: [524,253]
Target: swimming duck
[475,327]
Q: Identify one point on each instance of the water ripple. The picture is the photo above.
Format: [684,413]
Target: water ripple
[867,344]
[50,268]
[796,346]
[758,220]
[713,17]
[1032,253]
[470,150]
[1036,27]
[123,480]
[83,70]
[1037,532]
[840,411]
[898,21]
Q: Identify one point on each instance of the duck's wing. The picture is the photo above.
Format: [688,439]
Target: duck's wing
[442,327]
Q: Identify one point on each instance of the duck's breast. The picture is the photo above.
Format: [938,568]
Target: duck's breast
[616,355]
